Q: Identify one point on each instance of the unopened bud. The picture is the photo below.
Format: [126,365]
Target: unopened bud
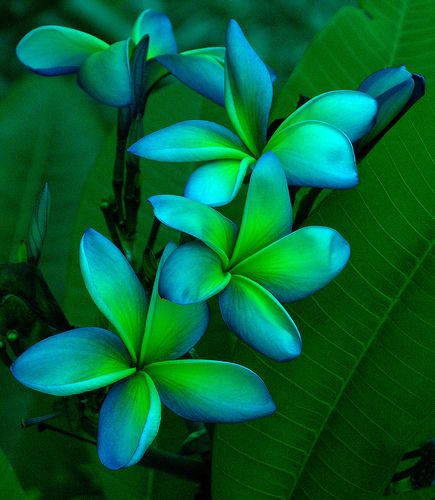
[395,90]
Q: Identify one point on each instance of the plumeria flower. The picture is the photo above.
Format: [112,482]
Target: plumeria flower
[140,363]
[314,144]
[396,90]
[255,268]
[104,70]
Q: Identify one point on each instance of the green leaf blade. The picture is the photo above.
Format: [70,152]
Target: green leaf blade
[362,393]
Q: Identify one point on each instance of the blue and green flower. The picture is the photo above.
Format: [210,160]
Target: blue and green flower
[104,70]
[395,89]
[140,362]
[313,144]
[255,268]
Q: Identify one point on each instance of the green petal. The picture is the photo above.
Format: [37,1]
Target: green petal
[248,90]
[259,319]
[217,183]
[298,264]
[171,329]
[55,50]
[198,220]
[193,140]
[202,70]
[268,213]
[106,75]
[73,362]
[315,154]
[211,391]
[159,28]
[129,421]
[353,112]
[114,287]
[193,273]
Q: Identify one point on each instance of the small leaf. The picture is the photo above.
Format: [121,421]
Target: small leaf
[38,226]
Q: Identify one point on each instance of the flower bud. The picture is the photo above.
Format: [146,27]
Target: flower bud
[396,90]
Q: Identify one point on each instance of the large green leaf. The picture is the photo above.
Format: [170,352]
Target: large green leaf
[49,131]
[10,484]
[363,392]
[359,41]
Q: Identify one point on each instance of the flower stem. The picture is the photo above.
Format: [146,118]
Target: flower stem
[110,216]
[305,207]
[132,182]
[171,463]
[123,129]
[28,422]
[153,234]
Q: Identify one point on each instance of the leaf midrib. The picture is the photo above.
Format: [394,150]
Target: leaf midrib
[382,321]
[399,30]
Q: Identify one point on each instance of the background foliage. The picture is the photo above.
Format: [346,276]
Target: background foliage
[362,394]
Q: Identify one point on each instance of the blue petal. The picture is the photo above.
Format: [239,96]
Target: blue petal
[114,287]
[55,50]
[106,75]
[73,362]
[200,70]
[315,154]
[259,319]
[159,28]
[129,421]
[211,391]
[248,90]
[193,273]
[392,87]
[171,329]
[198,220]
[353,112]
[193,140]
[384,79]
[217,183]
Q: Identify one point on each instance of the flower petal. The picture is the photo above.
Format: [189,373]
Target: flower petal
[129,421]
[159,28]
[385,79]
[114,287]
[393,88]
[198,220]
[217,183]
[73,362]
[55,50]
[267,214]
[353,112]
[171,329]
[106,75]
[200,70]
[298,264]
[315,154]
[259,319]
[192,140]
[211,391]
[193,273]
[248,90]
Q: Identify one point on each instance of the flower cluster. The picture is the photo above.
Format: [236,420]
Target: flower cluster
[104,71]
[253,269]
